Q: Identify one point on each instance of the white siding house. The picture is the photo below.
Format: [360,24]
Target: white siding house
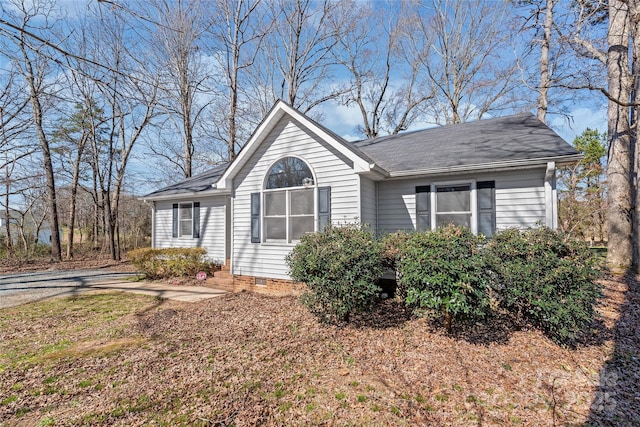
[212,229]
[294,176]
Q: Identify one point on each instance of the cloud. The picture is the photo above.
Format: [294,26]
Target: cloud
[341,119]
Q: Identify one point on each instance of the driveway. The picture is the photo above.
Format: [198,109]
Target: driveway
[22,288]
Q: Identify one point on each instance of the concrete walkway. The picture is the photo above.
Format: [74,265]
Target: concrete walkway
[175,292]
[23,288]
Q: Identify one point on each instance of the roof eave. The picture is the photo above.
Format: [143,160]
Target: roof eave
[185,195]
[373,171]
[494,166]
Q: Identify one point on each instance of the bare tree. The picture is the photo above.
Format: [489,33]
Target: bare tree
[177,45]
[75,135]
[467,55]
[299,52]
[14,138]
[239,34]
[35,65]
[129,101]
[31,218]
[385,82]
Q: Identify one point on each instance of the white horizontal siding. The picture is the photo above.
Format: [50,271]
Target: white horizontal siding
[212,228]
[286,139]
[368,200]
[520,200]
[397,205]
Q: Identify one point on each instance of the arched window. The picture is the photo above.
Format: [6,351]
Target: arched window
[289,172]
[289,203]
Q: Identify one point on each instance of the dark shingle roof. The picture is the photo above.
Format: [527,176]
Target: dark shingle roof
[195,184]
[503,139]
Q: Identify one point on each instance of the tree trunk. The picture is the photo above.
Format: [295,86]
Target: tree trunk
[543,93]
[110,226]
[7,215]
[74,195]
[619,168]
[634,16]
[51,186]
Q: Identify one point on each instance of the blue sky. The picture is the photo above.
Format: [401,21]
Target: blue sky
[587,111]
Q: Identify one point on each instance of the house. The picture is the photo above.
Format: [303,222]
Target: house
[294,176]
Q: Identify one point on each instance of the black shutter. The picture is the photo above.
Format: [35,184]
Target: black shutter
[486,207]
[196,220]
[324,207]
[255,217]
[423,207]
[175,220]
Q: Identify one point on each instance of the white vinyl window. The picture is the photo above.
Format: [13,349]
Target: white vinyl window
[470,205]
[289,202]
[185,220]
[453,205]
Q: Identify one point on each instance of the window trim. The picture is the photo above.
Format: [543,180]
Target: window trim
[177,220]
[432,188]
[287,215]
[470,187]
[182,205]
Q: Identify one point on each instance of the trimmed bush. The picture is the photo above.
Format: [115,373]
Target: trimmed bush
[442,271]
[171,262]
[340,266]
[543,277]
[392,245]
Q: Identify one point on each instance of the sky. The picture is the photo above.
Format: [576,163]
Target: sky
[344,120]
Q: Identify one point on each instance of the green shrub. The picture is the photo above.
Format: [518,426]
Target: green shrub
[544,278]
[171,262]
[392,245]
[441,271]
[340,266]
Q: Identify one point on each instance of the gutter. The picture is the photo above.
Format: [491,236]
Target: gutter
[521,164]
[186,195]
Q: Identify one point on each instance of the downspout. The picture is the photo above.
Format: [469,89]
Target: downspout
[551,197]
[153,224]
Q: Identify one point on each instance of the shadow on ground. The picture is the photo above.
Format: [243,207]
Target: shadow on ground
[617,398]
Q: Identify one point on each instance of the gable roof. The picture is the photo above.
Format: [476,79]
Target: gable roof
[194,186]
[520,140]
[362,163]
[515,140]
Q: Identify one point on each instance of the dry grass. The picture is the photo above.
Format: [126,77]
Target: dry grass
[244,359]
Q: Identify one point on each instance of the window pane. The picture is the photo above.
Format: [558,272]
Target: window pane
[275,228]
[301,225]
[275,203]
[453,199]
[185,228]
[455,219]
[302,202]
[185,211]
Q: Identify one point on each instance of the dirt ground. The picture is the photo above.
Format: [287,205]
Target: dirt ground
[247,359]
[79,262]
